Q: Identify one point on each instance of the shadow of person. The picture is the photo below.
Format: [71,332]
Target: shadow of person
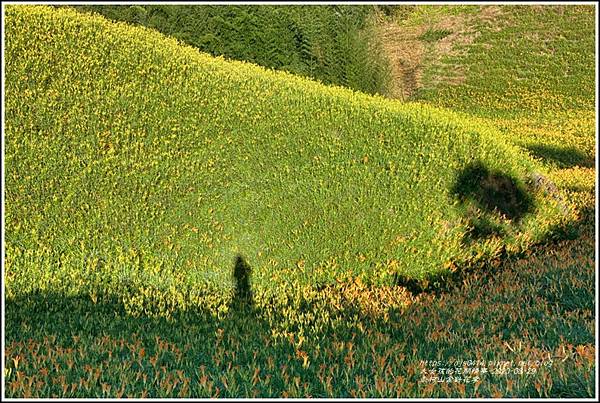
[242,297]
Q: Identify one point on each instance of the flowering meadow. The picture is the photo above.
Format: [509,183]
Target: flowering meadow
[181,225]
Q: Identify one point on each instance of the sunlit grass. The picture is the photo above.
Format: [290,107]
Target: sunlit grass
[130,202]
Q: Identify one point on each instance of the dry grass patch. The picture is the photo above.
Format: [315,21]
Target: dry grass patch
[410,45]
[405,52]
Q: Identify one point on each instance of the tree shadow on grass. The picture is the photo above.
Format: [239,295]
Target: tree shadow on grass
[493,191]
[492,197]
[564,157]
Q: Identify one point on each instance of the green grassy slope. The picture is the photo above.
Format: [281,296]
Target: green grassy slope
[531,72]
[509,53]
[528,71]
[64,339]
[139,166]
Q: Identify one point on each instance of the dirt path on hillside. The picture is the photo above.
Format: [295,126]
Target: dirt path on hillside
[405,53]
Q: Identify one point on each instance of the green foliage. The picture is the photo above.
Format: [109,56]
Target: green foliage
[183,226]
[527,61]
[146,182]
[529,72]
[537,315]
[433,35]
[332,44]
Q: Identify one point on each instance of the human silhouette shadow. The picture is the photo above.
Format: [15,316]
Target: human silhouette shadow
[242,297]
[197,343]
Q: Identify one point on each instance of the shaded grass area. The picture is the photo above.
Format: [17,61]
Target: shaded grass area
[563,157]
[493,191]
[537,311]
[495,198]
[242,297]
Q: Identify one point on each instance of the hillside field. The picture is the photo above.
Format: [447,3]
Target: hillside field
[184,225]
